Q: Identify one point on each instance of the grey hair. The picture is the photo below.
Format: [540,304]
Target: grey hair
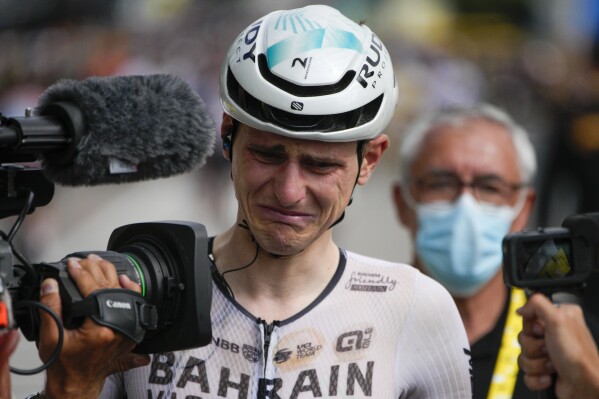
[422,127]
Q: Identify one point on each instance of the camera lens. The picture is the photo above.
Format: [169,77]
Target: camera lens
[152,265]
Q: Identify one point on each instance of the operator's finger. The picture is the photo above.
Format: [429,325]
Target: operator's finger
[50,297]
[532,321]
[534,306]
[131,361]
[533,328]
[8,343]
[532,346]
[535,366]
[99,270]
[126,283]
[540,307]
[537,382]
[88,279]
[105,267]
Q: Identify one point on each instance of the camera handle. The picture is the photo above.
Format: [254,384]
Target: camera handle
[122,310]
[564,297]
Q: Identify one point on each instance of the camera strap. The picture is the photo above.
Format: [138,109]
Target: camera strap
[121,310]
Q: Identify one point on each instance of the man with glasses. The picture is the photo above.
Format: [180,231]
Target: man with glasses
[465,176]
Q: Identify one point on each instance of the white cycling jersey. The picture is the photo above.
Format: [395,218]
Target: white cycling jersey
[380,330]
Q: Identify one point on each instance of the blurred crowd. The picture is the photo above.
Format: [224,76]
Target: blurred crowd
[537,59]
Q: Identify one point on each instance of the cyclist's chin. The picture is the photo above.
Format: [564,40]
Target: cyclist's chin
[284,240]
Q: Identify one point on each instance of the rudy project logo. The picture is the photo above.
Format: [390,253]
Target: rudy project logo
[117,305]
[297,106]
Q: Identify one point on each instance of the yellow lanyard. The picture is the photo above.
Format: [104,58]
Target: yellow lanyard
[506,367]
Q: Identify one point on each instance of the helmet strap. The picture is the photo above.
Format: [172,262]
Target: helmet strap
[360,152]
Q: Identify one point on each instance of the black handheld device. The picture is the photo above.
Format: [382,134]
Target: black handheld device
[556,261]
[553,259]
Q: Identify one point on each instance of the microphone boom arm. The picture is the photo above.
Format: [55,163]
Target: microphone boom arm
[55,132]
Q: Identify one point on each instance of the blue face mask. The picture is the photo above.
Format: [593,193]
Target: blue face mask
[460,243]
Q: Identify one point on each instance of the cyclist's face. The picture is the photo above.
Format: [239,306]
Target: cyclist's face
[291,191]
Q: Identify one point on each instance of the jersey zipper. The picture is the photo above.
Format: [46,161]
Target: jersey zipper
[268,329]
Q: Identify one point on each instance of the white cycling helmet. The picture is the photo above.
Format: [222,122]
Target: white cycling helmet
[309,73]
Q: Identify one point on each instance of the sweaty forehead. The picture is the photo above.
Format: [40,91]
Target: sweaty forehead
[471,148]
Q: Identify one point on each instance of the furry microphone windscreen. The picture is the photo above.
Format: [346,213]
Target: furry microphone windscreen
[154,126]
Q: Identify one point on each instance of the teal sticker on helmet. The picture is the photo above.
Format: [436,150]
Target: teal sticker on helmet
[295,20]
[310,40]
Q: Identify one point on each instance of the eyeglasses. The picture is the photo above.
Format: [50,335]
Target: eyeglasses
[447,187]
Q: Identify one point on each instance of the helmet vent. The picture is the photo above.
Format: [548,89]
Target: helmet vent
[303,91]
[300,122]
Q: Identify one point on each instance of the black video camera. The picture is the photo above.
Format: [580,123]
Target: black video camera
[168,260]
[553,259]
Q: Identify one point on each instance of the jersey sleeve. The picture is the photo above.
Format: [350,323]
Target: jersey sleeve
[434,347]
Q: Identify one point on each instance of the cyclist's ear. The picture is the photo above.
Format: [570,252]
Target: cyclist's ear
[372,155]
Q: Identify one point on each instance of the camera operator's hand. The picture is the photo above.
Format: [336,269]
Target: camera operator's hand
[8,343]
[555,339]
[91,352]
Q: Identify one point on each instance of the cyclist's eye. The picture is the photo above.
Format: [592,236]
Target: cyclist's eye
[266,156]
[320,166]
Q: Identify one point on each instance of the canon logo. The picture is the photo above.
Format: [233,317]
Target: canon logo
[118,305]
